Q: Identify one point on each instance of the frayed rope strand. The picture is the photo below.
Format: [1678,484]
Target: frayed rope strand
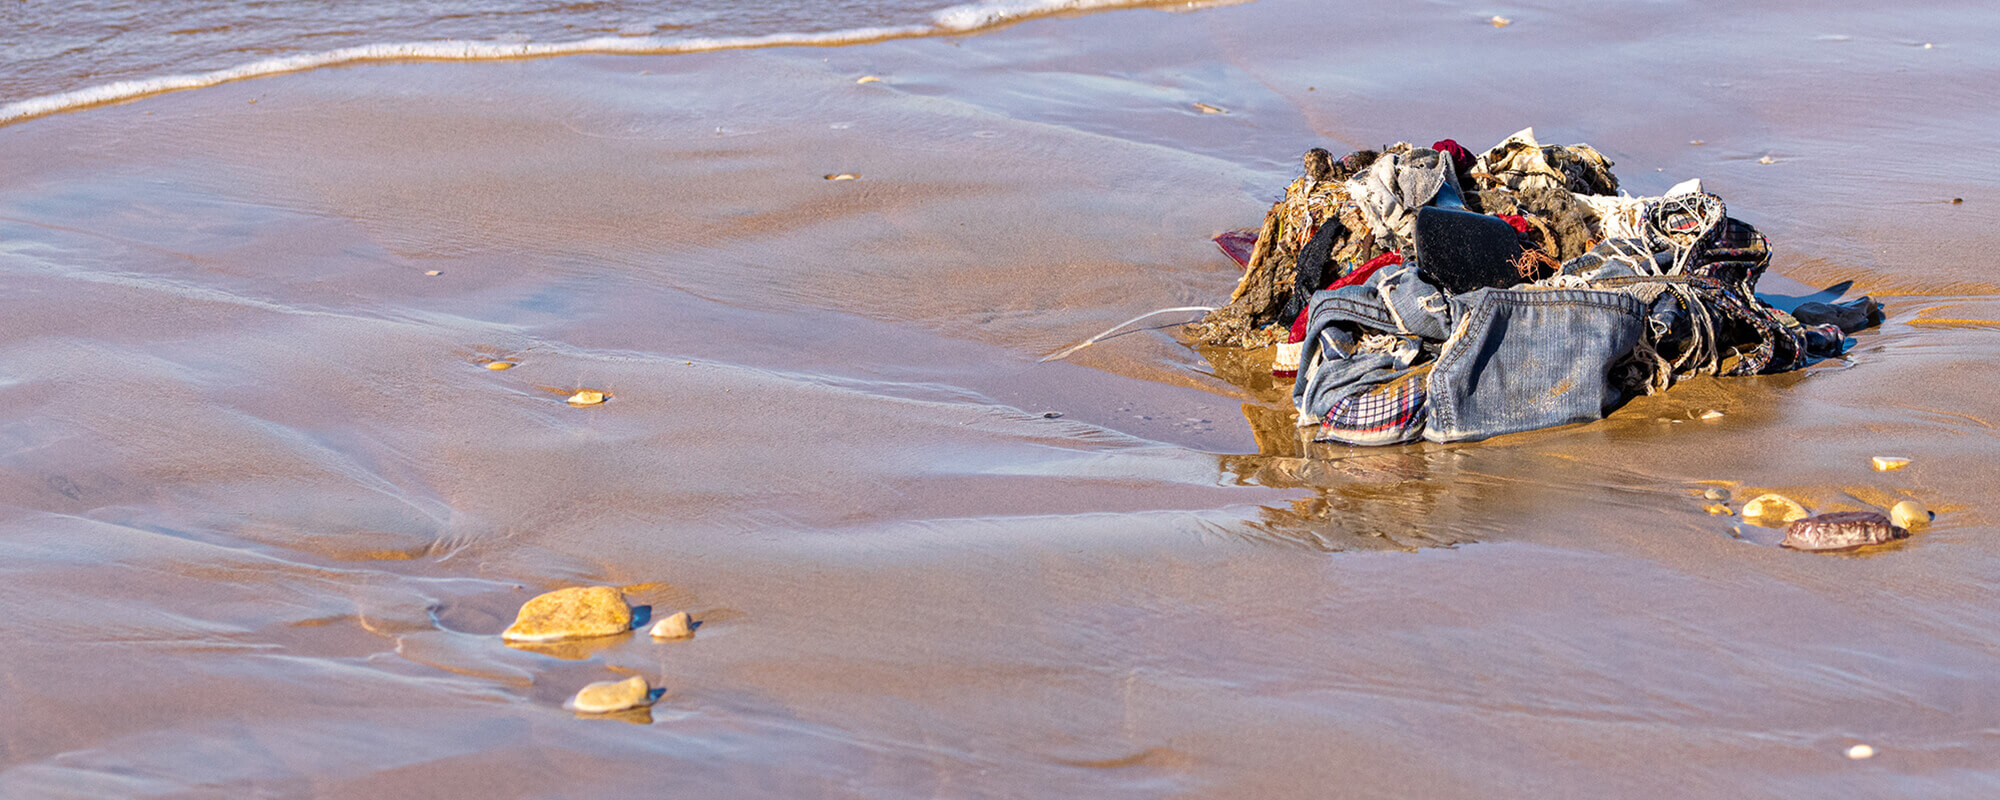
[1114,329]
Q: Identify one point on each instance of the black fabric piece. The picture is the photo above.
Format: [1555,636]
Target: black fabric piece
[1853,315]
[1459,251]
[1313,263]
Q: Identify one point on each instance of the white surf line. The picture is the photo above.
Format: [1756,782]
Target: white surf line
[447,50]
[962,19]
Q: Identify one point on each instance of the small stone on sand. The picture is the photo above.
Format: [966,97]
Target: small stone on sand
[1909,514]
[1860,751]
[1886,463]
[1500,22]
[434,273]
[1767,160]
[1696,142]
[1719,510]
[497,366]
[1842,530]
[1718,494]
[577,612]
[869,79]
[1208,109]
[604,697]
[1711,414]
[678,626]
[1774,507]
[842,176]
[586,397]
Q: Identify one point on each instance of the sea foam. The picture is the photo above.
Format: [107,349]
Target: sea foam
[954,20]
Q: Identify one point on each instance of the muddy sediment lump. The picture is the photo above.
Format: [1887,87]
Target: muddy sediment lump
[1774,507]
[604,697]
[678,626]
[1843,530]
[578,612]
[1909,514]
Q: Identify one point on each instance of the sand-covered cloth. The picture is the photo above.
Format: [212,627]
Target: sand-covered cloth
[1603,296]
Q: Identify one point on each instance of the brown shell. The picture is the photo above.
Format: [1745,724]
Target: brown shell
[1843,530]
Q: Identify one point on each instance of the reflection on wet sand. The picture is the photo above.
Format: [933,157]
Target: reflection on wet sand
[1386,498]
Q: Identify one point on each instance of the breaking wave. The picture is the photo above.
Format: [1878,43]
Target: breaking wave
[968,18]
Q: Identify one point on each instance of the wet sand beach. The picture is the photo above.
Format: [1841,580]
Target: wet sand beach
[265,510]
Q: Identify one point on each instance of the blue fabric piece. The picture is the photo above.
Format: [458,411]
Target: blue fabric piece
[1527,359]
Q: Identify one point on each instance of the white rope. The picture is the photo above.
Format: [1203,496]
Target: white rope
[1114,329]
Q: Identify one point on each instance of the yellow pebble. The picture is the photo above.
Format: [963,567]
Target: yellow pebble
[1860,751]
[1886,463]
[604,697]
[1711,415]
[842,176]
[1500,22]
[586,397]
[678,626]
[1768,507]
[577,612]
[1909,514]
[1719,510]
[434,273]
[868,79]
[496,366]
[1208,109]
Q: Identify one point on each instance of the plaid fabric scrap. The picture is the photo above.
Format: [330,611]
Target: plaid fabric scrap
[1387,413]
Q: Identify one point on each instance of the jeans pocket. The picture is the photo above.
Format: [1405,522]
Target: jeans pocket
[1526,359]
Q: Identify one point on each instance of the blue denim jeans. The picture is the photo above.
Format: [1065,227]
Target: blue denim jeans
[1510,360]
[1525,359]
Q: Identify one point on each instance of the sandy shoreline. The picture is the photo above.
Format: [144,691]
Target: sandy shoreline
[265,512]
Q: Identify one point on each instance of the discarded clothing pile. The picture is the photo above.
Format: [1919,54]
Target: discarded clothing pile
[1425,293]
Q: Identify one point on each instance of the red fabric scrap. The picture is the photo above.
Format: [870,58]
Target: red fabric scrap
[1355,278]
[1461,158]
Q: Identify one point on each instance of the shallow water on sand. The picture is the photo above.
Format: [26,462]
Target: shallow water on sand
[265,511]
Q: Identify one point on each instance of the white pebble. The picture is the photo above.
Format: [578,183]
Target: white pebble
[1910,515]
[604,697]
[678,626]
[1711,414]
[1860,751]
[586,397]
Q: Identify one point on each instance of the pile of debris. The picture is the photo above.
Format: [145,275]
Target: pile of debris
[1423,292]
